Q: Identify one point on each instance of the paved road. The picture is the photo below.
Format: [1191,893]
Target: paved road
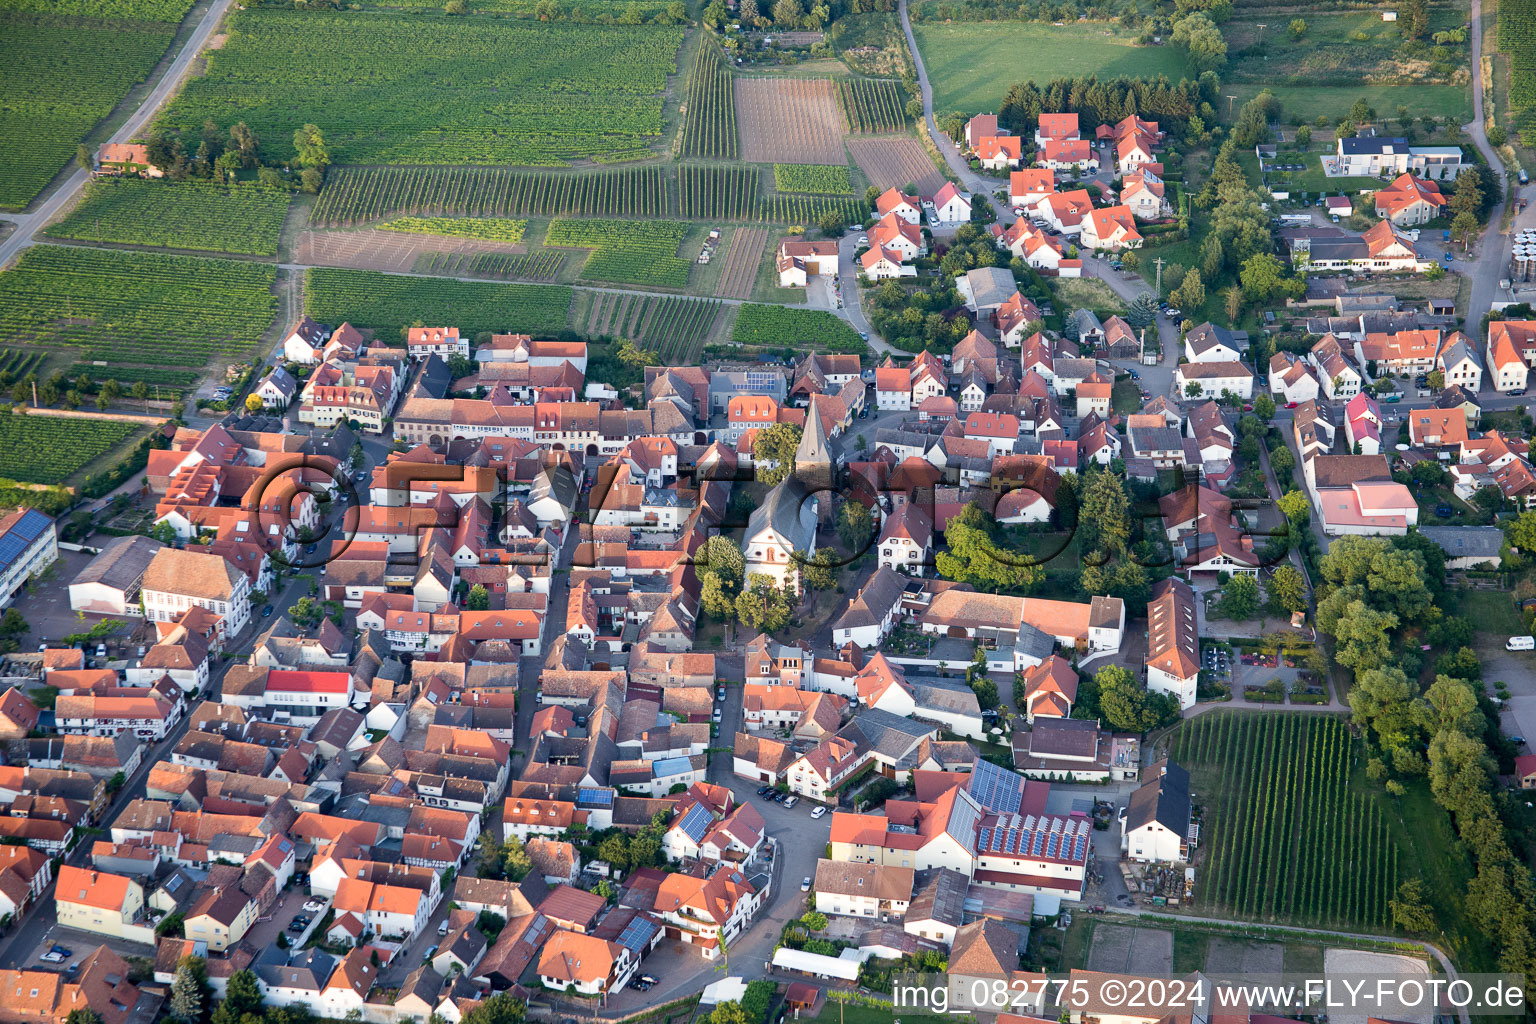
[969,178]
[28,224]
[1493,257]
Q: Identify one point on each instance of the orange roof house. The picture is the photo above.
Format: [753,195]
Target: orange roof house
[1409,200]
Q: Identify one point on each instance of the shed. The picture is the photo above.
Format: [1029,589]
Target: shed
[801,995]
[816,964]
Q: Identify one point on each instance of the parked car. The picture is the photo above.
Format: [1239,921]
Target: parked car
[717,716]
[101,650]
[805,884]
[764,790]
[791,802]
[719,693]
[314,906]
[820,810]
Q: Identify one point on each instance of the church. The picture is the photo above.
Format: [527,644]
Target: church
[785,524]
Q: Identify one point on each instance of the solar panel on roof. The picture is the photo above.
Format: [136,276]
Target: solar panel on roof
[637,933]
[16,540]
[696,822]
[1053,847]
[996,788]
[1035,844]
[595,797]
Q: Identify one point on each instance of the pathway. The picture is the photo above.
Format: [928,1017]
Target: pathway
[1493,254]
[29,224]
[969,178]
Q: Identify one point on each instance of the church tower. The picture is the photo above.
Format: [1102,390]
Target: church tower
[815,463]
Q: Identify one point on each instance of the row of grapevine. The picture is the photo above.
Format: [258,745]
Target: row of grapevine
[1284,837]
[1517,39]
[354,195]
[536,266]
[675,327]
[15,364]
[709,126]
[384,302]
[717,193]
[872,105]
[787,209]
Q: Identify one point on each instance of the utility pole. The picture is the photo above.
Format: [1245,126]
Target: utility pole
[1159,264]
[1230,99]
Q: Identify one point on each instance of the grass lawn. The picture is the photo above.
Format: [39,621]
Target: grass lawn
[1087,292]
[1492,610]
[973,64]
[1126,397]
[1334,101]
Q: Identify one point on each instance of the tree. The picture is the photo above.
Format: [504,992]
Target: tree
[515,859]
[974,557]
[1240,597]
[820,570]
[456,7]
[1463,226]
[478,599]
[730,1011]
[762,606]
[855,526]
[1382,700]
[1232,302]
[310,145]
[1193,389]
[84,1015]
[1412,20]
[719,566]
[84,158]
[189,990]
[1298,28]
[1264,408]
[1410,908]
[1262,276]
[244,142]
[306,612]
[1436,380]
[253,403]
[501,1008]
[1190,295]
[1126,706]
[1211,256]
[1288,588]
[242,997]
[310,179]
[1201,40]
[1104,513]
[1362,636]
[773,452]
[1296,508]
[1142,312]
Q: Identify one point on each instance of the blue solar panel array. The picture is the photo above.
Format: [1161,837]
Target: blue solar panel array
[696,822]
[594,797]
[19,537]
[997,789]
[637,934]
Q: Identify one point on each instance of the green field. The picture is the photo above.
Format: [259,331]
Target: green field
[136,307]
[414,88]
[1287,836]
[812,178]
[242,219]
[386,302]
[808,329]
[626,251]
[495,229]
[1333,102]
[49,449]
[60,77]
[972,64]
[138,10]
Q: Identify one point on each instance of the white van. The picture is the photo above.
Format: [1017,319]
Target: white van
[1520,643]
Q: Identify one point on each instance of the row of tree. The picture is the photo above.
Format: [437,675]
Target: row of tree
[221,158]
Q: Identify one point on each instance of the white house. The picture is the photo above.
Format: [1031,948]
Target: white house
[951,207]
[1173,643]
[1213,380]
[1155,823]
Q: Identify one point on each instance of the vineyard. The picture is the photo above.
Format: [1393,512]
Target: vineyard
[240,219]
[385,302]
[136,10]
[717,193]
[1286,837]
[15,364]
[872,105]
[538,266]
[1517,39]
[161,382]
[626,251]
[675,328]
[353,195]
[789,121]
[709,129]
[49,449]
[60,77]
[810,209]
[817,179]
[136,307]
[490,229]
[399,88]
[781,327]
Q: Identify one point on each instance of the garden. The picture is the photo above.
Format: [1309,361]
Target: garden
[1285,836]
[63,74]
[242,219]
[385,302]
[136,307]
[408,88]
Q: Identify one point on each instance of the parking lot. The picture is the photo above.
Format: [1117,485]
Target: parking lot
[269,926]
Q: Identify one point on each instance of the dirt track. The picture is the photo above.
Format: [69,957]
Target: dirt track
[385,250]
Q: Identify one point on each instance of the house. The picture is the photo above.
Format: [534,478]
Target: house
[986,289]
[29,543]
[1409,201]
[1072,156]
[851,889]
[126,158]
[178,579]
[1208,343]
[443,342]
[1057,126]
[798,260]
[980,127]
[1173,646]
[1375,507]
[895,202]
[1400,352]
[220,917]
[1050,689]
[1064,212]
[277,389]
[1338,377]
[871,613]
[1292,378]
[1000,152]
[780,530]
[1461,363]
[109,583]
[707,914]
[1155,825]
[1369,155]
[906,540]
[1213,380]
[1112,228]
[951,207]
[879,264]
[1437,428]
[1509,342]
[1382,249]
[903,240]
[1133,151]
[101,903]
[1525,771]
[1027,187]
[1143,194]
[585,964]
[1467,547]
[1362,425]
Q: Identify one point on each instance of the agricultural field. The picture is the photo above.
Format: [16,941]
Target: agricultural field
[626,251]
[1333,102]
[972,64]
[383,89]
[813,179]
[1517,41]
[872,104]
[810,209]
[490,229]
[789,120]
[543,265]
[355,195]
[741,262]
[171,11]
[61,76]
[675,328]
[780,327]
[136,307]
[896,163]
[243,219]
[709,126]
[160,381]
[386,302]
[39,449]
[718,192]
[1286,836]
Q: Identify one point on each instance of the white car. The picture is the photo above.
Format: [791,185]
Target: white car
[863,239]
[51,957]
[717,717]
[805,884]
[819,811]
[314,906]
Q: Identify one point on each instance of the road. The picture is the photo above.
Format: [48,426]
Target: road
[28,224]
[969,178]
[1493,254]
